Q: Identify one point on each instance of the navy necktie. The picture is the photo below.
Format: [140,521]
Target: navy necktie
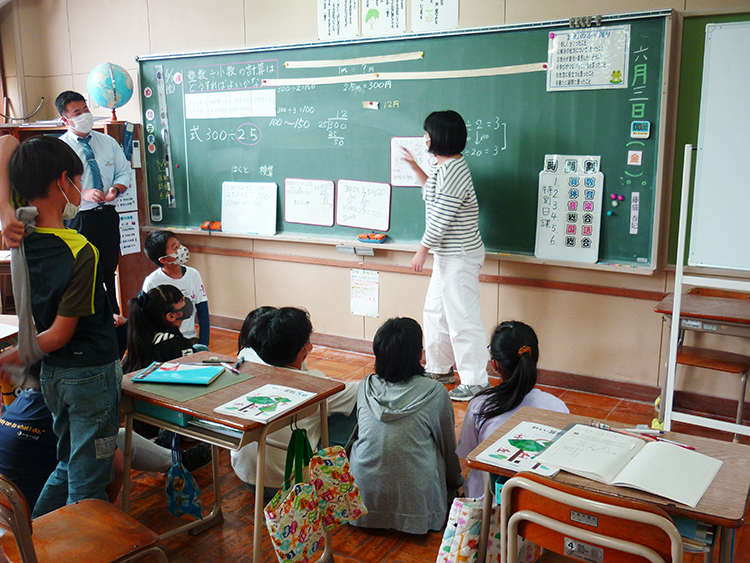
[96,174]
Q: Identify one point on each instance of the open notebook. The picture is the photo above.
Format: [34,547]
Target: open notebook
[659,468]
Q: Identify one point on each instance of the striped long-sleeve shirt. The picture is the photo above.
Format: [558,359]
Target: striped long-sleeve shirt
[451,210]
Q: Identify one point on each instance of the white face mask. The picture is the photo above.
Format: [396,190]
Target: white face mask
[82,123]
[70,210]
[181,255]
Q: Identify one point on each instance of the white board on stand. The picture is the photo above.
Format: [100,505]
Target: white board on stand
[248,208]
[569,209]
[309,202]
[366,205]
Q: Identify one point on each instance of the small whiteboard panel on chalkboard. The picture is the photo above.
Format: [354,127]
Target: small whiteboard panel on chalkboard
[366,205]
[569,209]
[248,208]
[309,202]
[401,172]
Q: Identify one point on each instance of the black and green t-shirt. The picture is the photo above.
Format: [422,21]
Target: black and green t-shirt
[65,280]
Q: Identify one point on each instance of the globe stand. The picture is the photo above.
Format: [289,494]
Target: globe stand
[114,115]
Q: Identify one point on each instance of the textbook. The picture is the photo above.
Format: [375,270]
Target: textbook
[172,372]
[518,449]
[265,403]
[656,467]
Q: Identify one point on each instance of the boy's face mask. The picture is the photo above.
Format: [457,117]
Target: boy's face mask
[70,210]
[181,255]
[186,309]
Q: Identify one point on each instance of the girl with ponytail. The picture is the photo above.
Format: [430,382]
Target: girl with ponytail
[154,327]
[514,350]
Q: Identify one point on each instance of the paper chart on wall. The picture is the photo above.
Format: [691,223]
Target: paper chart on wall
[383,17]
[130,234]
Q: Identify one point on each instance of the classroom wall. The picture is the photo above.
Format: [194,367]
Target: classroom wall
[51,45]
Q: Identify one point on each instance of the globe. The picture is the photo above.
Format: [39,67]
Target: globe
[100,86]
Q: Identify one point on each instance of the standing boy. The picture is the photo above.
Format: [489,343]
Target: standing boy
[164,250]
[80,372]
[106,175]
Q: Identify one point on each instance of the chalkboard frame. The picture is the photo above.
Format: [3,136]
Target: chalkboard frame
[645,265]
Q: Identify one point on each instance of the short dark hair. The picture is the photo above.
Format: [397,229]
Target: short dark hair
[39,161]
[279,335]
[245,339]
[447,131]
[398,349]
[65,98]
[155,245]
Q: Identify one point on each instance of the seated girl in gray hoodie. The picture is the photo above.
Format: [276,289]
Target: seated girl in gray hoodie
[404,459]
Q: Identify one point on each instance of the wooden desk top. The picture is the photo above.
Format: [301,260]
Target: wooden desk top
[718,309]
[203,407]
[724,503]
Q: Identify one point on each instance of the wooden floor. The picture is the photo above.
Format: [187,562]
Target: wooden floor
[232,541]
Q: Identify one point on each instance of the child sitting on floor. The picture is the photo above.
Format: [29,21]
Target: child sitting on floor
[404,458]
[514,349]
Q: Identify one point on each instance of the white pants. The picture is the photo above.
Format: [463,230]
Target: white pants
[145,455]
[452,318]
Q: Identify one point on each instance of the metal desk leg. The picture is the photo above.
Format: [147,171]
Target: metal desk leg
[259,521]
[725,544]
[126,464]
[484,532]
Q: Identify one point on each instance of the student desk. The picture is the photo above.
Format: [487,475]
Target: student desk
[724,503]
[249,431]
[705,313]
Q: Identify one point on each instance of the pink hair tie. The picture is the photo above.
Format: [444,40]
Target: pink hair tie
[523,349]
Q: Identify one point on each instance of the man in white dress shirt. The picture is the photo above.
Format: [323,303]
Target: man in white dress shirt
[106,175]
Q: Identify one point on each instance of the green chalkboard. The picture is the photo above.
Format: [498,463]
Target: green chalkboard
[691,83]
[324,132]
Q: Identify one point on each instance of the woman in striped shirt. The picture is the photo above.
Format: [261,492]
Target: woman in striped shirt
[452,318]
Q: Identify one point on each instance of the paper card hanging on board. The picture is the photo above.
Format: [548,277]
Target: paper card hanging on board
[401,172]
[309,202]
[366,205]
[589,59]
[569,209]
[248,207]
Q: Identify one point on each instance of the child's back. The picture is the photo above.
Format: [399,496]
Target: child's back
[404,458]
[515,352]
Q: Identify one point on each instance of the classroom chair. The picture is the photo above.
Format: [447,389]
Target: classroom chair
[564,519]
[91,530]
[717,360]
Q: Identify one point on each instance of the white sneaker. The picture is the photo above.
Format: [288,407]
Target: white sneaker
[466,392]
